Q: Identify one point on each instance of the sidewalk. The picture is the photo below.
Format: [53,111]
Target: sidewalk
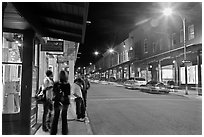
[74,127]
[193,94]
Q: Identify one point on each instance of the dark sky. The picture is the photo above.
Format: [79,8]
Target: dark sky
[111,23]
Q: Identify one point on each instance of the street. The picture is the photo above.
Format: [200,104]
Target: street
[118,111]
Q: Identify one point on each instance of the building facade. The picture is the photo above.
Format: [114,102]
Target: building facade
[155,51]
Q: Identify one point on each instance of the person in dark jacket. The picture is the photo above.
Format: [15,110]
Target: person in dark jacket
[61,100]
[77,92]
[86,86]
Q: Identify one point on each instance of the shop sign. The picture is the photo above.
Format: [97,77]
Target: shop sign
[187,63]
[53,46]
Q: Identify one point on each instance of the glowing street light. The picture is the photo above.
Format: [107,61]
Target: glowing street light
[167,12]
[96,53]
[110,50]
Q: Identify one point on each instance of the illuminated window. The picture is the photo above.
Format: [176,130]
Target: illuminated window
[145,46]
[191,33]
[173,42]
[12,71]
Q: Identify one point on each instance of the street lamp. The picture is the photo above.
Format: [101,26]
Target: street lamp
[96,53]
[113,51]
[167,12]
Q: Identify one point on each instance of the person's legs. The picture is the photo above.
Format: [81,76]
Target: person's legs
[50,111]
[64,120]
[82,115]
[45,112]
[55,120]
[78,107]
[85,97]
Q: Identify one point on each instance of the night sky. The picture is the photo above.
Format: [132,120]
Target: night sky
[111,23]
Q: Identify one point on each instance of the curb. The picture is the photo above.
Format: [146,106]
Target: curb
[187,96]
[88,126]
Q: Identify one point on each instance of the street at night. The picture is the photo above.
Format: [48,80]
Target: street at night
[143,60]
[118,111]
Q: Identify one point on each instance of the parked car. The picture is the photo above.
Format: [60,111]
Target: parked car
[155,87]
[134,82]
[112,79]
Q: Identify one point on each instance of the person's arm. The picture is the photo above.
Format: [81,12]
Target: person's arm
[76,90]
[46,85]
[88,84]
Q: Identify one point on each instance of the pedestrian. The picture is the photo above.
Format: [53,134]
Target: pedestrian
[86,86]
[47,87]
[77,92]
[61,100]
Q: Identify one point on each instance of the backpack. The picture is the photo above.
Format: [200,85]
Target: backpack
[40,95]
[59,96]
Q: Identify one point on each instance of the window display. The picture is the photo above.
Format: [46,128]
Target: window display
[12,71]
[192,74]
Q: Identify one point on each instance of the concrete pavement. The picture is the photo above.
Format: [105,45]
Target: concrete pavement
[74,127]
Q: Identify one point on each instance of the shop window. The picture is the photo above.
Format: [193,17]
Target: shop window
[191,33]
[167,73]
[12,71]
[192,74]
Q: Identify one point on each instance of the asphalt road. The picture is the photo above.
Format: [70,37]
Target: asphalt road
[118,111]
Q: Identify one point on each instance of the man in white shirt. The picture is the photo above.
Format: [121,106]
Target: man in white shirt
[47,87]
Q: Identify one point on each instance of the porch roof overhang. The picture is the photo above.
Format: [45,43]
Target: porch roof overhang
[61,20]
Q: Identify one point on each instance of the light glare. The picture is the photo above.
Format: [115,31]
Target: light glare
[167,11]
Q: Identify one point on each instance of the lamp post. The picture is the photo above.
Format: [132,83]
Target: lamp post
[168,12]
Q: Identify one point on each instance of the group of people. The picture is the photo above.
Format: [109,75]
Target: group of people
[57,99]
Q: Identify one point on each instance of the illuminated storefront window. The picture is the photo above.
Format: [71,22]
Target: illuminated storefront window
[132,71]
[126,72]
[12,71]
[192,74]
[167,73]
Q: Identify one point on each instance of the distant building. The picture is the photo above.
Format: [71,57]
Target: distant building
[154,50]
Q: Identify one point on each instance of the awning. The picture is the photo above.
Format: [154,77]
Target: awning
[62,20]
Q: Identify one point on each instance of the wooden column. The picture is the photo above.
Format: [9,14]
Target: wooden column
[26,82]
[199,68]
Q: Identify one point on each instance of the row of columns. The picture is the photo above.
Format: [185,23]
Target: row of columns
[156,74]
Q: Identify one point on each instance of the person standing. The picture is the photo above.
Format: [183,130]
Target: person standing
[47,87]
[86,86]
[77,92]
[61,100]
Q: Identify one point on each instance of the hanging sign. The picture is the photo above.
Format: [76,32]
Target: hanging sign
[54,46]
